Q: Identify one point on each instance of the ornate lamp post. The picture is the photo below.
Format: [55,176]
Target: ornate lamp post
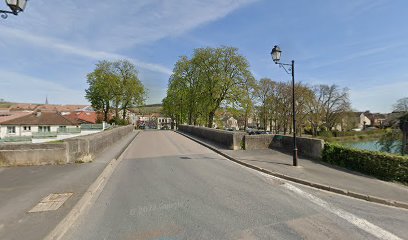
[16,6]
[276,55]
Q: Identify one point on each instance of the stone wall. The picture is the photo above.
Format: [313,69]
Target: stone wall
[68,151]
[32,154]
[307,147]
[86,147]
[229,139]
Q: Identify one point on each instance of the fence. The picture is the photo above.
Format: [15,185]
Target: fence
[91,126]
[45,134]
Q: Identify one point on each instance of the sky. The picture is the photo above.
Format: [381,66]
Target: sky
[362,45]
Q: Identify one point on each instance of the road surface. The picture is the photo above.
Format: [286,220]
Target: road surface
[169,187]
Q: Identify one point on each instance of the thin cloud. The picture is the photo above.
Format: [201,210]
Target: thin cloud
[75,50]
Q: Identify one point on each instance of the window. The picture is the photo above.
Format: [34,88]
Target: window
[44,129]
[62,129]
[11,130]
[27,128]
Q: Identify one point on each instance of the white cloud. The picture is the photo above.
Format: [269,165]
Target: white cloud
[103,29]
[113,25]
[75,50]
[100,30]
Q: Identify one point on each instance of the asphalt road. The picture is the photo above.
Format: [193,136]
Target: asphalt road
[169,187]
[21,188]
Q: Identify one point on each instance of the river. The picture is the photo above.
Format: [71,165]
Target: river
[369,145]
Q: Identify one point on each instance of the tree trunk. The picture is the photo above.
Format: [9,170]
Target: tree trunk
[210,119]
[106,111]
[245,121]
[105,117]
[124,112]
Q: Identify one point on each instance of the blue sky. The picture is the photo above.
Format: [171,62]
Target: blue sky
[359,44]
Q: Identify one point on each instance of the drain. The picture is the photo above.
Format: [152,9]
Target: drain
[51,202]
[185,157]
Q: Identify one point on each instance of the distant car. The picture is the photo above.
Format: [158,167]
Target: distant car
[165,128]
[142,127]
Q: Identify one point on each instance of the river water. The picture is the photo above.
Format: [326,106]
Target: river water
[368,145]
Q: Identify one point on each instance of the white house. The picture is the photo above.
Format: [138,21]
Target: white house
[364,121]
[164,122]
[36,124]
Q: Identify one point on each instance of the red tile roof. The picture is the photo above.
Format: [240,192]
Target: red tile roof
[6,116]
[83,117]
[46,107]
[41,118]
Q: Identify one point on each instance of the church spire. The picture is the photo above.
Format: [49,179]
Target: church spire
[46,100]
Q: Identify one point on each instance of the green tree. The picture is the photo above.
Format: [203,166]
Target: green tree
[329,108]
[198,86]
[99,92]
[115,84]
[265,94]
[391,140]
[130,91]
[222,72]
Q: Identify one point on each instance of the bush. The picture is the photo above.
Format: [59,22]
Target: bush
[381,165]
[326,134]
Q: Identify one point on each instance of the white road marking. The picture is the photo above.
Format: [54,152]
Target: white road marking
[351,218]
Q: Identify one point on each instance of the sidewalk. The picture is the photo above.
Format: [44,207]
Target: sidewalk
[318,174]
[21,188]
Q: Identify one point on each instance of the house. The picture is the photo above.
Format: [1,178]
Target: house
[230,123]
[36,123]
[364,120]
[164,123]
[375,119]
[23,107]
[6,115]
[83,117]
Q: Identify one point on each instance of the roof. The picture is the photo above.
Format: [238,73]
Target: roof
[47,107]
[61,108]
[88,117]
[6,116]
[23,106]
[41,118]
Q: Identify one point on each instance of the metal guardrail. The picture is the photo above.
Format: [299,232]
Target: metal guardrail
[91,126]
[16,139]
[44,134]
[68,130]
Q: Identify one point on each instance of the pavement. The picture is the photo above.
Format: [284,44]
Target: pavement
[318,174]
[170,187]
[22,188]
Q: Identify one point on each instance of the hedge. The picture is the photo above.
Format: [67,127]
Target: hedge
[381,165]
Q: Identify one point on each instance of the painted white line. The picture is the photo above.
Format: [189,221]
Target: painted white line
[351,218]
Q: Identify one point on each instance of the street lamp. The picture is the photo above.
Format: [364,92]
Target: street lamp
[16,7]
[276,55]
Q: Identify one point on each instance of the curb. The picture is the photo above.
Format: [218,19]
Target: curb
[340,191]
[89,196]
